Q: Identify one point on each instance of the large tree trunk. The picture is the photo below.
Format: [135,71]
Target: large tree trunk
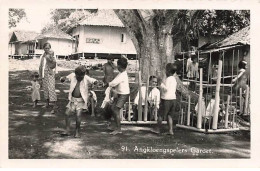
[153,39]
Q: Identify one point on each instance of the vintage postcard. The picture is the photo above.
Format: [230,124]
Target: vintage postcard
[171,82]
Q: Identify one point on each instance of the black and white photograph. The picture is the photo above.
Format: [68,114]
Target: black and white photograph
[88,82]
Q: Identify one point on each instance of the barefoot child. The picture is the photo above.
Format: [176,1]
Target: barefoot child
[35,89]
[121,85]
[78,98]
[168,98]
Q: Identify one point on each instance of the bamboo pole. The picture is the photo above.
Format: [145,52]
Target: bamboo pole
[240,101]
[188,112]
[216,106]
[233,119]
[92,106]
[199,118]
[129,116]
[246,100]
[140,97]
[226,116]
[181,116]
[121,114]
[155,112]
[146,99]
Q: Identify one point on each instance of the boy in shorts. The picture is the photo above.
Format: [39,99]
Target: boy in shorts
[121,92]
[168,98]
[78,98]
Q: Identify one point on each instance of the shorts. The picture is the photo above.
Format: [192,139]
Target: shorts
[74,105]
[120,100]
[167,107]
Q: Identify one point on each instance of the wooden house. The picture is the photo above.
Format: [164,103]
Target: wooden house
[29,44]
[101,34]
[61,43]
[21,43]
[231,50]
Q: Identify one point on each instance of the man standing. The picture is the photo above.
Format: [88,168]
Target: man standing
[108,69]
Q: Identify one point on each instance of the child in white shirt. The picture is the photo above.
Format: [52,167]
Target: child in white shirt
[35,89]
[122,91]
[168,97]
[153,97]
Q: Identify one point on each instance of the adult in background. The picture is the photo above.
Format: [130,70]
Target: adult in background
[47,71]
[193,73]
[108,69]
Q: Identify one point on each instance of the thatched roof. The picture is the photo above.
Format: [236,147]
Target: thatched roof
[104,17]
[242,37]
[54,33]
[23,36]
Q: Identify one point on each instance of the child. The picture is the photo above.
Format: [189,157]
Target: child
[78,98]
[35,89]
[168,98]
[241,81]
[153,96]
[121,92]
[92,95]
[193,72]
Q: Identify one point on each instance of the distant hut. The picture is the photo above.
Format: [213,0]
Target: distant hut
[231,50]
[61,43]
[21,43]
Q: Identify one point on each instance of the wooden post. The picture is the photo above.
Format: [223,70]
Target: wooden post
[121,114]
[129,116]
[34,50]
[226,116]
[188,113]
[199,117]
[146,98]
[246,100]
[155,112]
[240,101]
[140,97]
[233,119]
[92,106]
[216,106]
[181,116]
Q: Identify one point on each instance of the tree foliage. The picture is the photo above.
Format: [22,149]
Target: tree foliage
[67,18]
[15,16]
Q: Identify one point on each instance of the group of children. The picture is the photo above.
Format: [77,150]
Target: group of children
[118,91]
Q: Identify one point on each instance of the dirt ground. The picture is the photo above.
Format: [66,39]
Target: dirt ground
[35,133]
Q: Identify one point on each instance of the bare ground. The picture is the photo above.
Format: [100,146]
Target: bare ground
[35,134]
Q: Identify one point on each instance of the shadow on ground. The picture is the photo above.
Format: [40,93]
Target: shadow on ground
[35,134]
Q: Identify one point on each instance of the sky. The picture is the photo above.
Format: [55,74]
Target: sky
[37,18]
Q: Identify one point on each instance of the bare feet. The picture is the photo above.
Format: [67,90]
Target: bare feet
[116,132]
[77,135]
[46,106]
[168,133]
[52,111]
[157,131]
[66,133]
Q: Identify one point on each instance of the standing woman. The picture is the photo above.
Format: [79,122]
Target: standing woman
[47,71]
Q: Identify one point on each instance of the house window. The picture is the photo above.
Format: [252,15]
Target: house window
[123,38]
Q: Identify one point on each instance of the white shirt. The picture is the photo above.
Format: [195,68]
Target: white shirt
[83,86]
[210,108]
[169,88]
[107,97]
[153,96]
[121,83]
